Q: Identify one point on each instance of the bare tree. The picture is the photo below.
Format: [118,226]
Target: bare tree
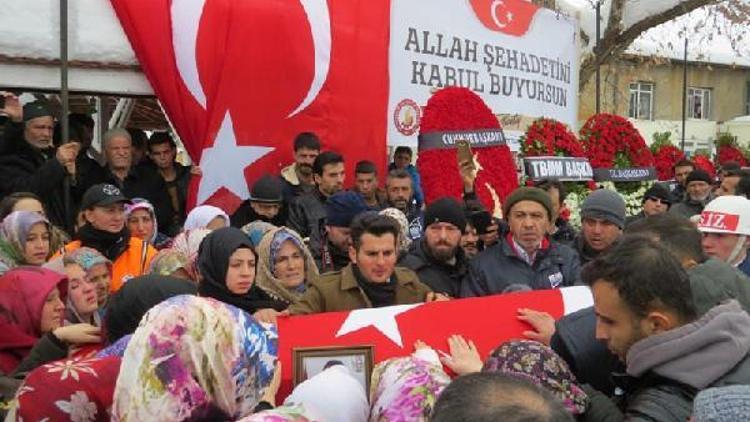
[623,21]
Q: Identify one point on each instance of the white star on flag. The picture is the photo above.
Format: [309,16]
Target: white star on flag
[383,319]
[223,165]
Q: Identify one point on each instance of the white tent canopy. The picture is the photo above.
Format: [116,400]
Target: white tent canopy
[101,59]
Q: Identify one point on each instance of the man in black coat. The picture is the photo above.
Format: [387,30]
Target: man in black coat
[266,203]
[30,162]
[437,257]
[135,182]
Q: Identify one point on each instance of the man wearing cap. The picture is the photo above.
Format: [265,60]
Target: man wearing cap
[524,258]
[725,224]
[437,257]
[32,164]
[266,203]
[602,222]
[698,194]
[105,230]
[656,201]
[331,248]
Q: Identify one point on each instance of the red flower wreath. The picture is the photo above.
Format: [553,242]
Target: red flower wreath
[665,158]
[730,153]
[704,163]
[457,109]
[547,137]
[612,141]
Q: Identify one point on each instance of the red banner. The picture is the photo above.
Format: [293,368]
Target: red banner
[487,321]
[239,80]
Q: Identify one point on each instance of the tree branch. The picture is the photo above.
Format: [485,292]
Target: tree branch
[615,41]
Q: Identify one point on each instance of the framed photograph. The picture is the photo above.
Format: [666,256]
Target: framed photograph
[309,362]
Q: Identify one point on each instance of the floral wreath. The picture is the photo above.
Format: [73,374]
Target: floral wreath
[460,109]
[702,161]
[611,141]
[548,137]
[728,150]
[666,155]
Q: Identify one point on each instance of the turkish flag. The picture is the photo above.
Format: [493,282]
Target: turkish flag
[240,79]
[487,321]
[512,17]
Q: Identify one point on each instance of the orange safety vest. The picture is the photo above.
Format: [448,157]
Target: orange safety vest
[134,261]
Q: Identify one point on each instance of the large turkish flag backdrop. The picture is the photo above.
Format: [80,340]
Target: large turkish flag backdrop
[271,68]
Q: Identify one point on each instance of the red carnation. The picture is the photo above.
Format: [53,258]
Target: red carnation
[547,137]
[612,141]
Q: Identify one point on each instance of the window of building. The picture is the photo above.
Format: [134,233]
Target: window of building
[641,100]
[699,103]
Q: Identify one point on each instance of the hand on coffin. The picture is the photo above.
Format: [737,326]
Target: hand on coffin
[269,316]
[542,323]
[464,357]
[436,297]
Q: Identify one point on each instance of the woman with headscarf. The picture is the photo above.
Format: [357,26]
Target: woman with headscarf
[32,309]
[81,303]
[188,243]
[27,201]
[206,217]
[172,263]
[227,269]
[194,358]
[527,360]
[130,304]
[405,389]
[98,272]
[285,266]
[403,225]
[24,240]
[333,395]
[142,223]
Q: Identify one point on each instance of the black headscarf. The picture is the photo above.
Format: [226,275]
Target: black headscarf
[111,245]
[126,307]
[213,262]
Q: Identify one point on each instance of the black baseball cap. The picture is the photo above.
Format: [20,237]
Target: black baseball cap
[102,195]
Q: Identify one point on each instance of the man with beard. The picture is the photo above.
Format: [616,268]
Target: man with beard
[649,320]
[524,258]
[331,250]
[372,280]
[437,257]
[698,194]
[299,176]
[307,212]
[400,194]
[470,239]
[602,221]
[266,203]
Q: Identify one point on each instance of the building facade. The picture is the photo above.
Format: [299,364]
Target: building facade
[649,92]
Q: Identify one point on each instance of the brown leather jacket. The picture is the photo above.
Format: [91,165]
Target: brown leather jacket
[339,291]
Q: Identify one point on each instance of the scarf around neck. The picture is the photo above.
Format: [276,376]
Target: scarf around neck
[111,245]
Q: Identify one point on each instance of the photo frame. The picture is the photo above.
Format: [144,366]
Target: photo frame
[310,361]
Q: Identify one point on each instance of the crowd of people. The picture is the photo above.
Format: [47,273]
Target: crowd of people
[117,303]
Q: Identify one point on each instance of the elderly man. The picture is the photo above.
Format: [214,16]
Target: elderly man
[32,164]
[525,258]
[602,222]
[656,201]
[698,185]
[437,257]
[136,182]
[372,280]
[725,224]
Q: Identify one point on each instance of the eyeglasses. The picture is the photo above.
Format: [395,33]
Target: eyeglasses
[659,200]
